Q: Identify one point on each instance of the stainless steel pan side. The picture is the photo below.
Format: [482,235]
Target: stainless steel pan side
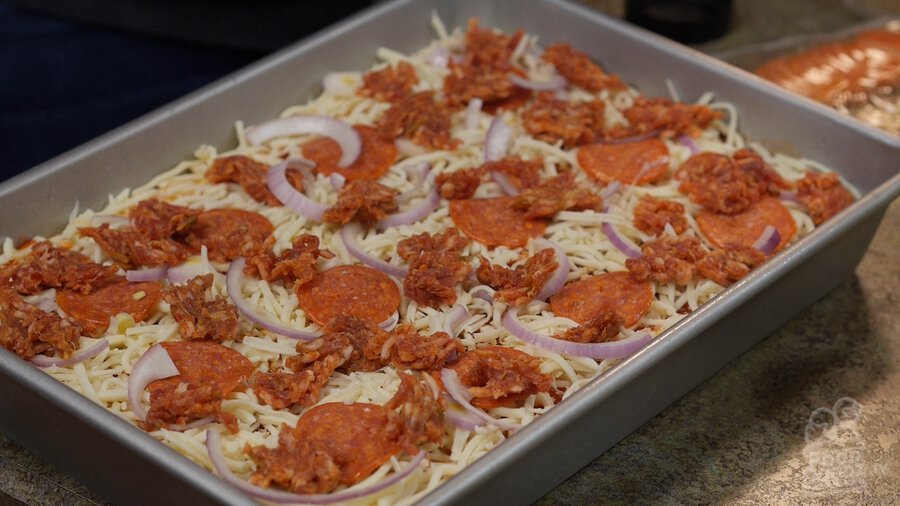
[130,467]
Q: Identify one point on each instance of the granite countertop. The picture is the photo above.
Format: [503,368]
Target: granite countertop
[744,436]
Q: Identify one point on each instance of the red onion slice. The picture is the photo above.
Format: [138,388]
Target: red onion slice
[460,418]
[288,195]
[413,214]
[496,142]
[233,282]
[214,448]
[484,293]
[337,181]
[419,176]
[77,357]
[391,322]
[461,395]
[614,349]
[142,275]
[504,183]
[689,143]
[621,242]
[473,108]
[453,318]
[559,276]
[190,269]
[193,425]
[348,235]
[768,240]
[342,133]
[153,365]
[610,190]
[554,84]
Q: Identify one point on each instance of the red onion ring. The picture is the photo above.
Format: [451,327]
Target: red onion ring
[609,190]
[453,318]
[337,181]
[504,183]
[460,418]
[413,214]
[190,269]
[337,130]
[768,240]
[621,242]
[278,184]
[79,356]
[153,365]
[484,293]
[348,236]
[554,84]
[496,142]
[689,143]
[391,322]
[614,349]
[472,110]
[559,276]
[233,281]
[214,448]
[142,275]
[461,395]
[193,425]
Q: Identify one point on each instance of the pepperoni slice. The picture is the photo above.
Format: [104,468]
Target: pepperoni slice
[590,297]
[229,233]
[637,162]
[205,363]
[94,310]
[375,158]
[747,226]
[494,222]
[354,290]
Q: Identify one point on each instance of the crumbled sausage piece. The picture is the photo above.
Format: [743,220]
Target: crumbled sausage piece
[599,329]
[419,413]
[391,83]
[179,407]
[450,240]
[489,48]
[362,200]
[500,376]
[155,219]
[366,338]
[651,215]
[557,194]
[130,249]
[823,195]
[248,173]
[522,173]
[728,185]
[521,284]
[296,265]
[433,276]
[578,68]
[550,119]
[466,82]
[731,264]
[664,117]
[460,184]
[198,318]
[410,350]
[28,331]
[421,119]
[282,390]
[668,259]
[48,266]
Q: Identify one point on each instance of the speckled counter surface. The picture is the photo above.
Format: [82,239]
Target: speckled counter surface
[745,435]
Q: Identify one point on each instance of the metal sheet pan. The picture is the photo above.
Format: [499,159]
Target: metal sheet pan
[128,466]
